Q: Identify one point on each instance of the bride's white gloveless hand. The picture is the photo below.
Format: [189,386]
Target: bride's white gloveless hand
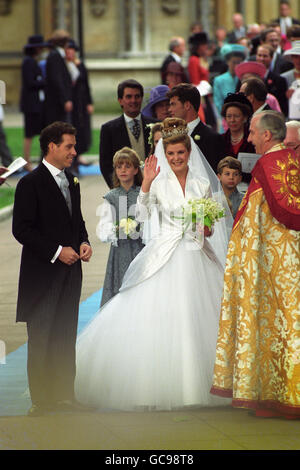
[150,172]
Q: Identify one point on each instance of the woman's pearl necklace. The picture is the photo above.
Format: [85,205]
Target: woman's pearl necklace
[235,140]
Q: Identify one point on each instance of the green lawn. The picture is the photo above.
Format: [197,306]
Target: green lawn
[15,136]
[6,196]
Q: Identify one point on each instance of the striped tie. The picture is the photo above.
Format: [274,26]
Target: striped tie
[64,187]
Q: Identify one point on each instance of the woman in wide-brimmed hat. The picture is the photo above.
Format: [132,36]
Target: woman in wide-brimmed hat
[158,104]
[293,55]
[237,111]
[198,64]
[252,69]
[293,80]
[233,54]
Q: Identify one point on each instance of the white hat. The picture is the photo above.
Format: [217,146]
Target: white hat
[295,49]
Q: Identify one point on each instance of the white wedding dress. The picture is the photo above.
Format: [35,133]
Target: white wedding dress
[152,346]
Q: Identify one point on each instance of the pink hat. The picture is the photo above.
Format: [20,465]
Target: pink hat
[255,68]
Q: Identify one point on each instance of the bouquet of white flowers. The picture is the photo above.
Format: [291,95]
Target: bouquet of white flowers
[210,210]
[128,227]
[201,212]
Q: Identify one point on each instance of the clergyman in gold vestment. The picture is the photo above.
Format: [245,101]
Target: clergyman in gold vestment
[258,348]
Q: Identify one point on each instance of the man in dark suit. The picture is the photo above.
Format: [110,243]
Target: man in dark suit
[128,130]
[184,103]
[239,29]
[47,221]
[58,89]
[279,63]
[177,49]
[285,19]
[256,92]
[32,100]
[276,85]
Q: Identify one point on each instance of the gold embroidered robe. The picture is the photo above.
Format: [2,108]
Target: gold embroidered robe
[258,348]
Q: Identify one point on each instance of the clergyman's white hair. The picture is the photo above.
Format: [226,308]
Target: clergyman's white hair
[274,122]
[294,125]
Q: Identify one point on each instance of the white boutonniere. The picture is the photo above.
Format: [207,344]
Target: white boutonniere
[197,137]
[75,180]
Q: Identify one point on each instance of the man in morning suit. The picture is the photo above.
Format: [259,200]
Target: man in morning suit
[177,50]
[32,100]
[58,89]
[128,130]
[276,85]
[279,63]
[47,221]
[184,103]
[285,19]
[256,91]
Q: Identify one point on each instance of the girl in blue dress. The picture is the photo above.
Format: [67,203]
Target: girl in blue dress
[117,224]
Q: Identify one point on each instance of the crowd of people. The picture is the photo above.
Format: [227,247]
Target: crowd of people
[55,87]
[192,313]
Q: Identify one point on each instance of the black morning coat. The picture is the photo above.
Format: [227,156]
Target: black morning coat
[210,143]
[58,88]
[113,137]
[42,222]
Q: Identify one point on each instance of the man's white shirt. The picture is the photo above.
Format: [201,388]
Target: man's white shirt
[54,172]
[191,125]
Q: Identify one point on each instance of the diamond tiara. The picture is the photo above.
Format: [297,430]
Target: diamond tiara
[174,131]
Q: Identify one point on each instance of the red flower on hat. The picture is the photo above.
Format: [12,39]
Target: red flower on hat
[270,81]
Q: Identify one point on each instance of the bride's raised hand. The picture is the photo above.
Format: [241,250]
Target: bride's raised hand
[150,172]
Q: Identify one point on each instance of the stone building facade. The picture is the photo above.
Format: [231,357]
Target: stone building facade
[118,38]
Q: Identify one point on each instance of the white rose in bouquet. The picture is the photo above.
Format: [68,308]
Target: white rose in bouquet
[128,226]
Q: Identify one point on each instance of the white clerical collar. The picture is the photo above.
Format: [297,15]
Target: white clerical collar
[53,169]
[191,125]
[129,119]
[176,56]
[276,147]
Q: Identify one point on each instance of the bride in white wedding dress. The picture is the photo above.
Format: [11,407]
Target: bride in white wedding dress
[152,346]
